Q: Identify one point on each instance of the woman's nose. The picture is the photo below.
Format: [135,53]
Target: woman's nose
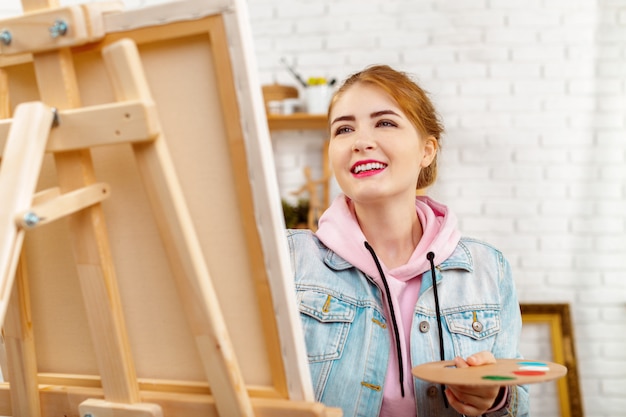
[363,142]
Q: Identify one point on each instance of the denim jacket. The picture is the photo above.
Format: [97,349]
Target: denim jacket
[348,337]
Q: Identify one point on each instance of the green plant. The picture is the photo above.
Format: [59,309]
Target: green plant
[295,215]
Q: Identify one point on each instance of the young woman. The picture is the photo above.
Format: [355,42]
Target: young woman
[387,282]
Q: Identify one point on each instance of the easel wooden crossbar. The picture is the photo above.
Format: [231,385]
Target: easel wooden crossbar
[143,271]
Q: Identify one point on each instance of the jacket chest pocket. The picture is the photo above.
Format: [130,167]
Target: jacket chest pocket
[326,321]
[473,330]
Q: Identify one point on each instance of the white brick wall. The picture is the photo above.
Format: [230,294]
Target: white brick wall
[533,95]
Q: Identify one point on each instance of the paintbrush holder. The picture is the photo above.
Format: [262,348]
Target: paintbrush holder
[318,98]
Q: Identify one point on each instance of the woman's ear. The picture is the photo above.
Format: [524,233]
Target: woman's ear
[430,151]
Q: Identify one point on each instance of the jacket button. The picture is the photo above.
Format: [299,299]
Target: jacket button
[424,326]
[431,391]
[477,326]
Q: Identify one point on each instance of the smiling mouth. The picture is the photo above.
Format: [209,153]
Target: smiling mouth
[370,166]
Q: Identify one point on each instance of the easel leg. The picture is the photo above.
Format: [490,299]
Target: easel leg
[58,85]
[20,347]
[99,408]
[21,164]
[19,173]
[5,113]
[181,242]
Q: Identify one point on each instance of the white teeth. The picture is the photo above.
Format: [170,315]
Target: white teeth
[369,166]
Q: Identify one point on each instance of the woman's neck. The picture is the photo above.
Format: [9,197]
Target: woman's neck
[393,230]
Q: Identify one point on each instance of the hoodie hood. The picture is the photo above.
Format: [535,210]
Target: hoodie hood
[339,230]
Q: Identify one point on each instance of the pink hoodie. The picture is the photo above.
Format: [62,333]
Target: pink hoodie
[339,230]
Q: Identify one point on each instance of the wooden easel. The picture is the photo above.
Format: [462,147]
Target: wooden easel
[311,188]
[55,137]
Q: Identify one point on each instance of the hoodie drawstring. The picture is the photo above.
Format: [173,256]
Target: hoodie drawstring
[431,256]
[393,315]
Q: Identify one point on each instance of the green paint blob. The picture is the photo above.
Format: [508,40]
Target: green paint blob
[498,378]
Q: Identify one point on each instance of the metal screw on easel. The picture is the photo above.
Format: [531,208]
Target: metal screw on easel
[59,28]
[56,121]
[5,37]
[31,219]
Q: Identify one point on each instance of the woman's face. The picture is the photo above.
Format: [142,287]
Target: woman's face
[375,151]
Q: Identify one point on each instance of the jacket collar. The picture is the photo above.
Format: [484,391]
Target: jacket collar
[460,259]
[336,262]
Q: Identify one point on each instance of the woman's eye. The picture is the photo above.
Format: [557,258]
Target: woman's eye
[342,129]
[386,123]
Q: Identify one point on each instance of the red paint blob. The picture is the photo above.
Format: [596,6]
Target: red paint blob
[529,373]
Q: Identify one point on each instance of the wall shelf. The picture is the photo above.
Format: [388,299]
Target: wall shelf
[297,121]
[306,121]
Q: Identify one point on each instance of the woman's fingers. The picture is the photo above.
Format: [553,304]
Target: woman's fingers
[481,358]
[477,359]
[472,400]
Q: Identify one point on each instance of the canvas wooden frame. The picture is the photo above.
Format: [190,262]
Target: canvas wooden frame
[557,317]
[201,96]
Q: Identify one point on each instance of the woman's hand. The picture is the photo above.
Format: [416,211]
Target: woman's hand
[472,400]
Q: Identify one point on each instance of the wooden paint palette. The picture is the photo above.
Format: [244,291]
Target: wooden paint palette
[503,372]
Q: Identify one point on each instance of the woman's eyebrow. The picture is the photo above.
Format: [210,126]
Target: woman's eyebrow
[382,113]
[343,118]
[351,118]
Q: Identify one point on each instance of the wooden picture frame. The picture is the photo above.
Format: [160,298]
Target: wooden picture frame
[557,317]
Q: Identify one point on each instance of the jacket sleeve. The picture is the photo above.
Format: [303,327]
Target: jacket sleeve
[507,343]
[512,406]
